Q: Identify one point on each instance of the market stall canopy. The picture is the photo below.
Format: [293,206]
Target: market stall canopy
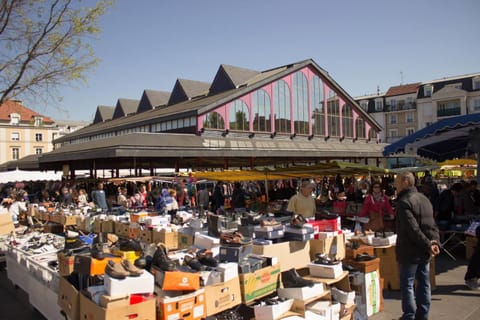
[446,139]
[317,170]
[20,175]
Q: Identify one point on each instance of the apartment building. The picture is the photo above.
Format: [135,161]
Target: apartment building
[24,132]
[407,108]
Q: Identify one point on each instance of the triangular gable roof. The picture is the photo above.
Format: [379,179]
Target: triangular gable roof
[402,89]
[125,107]
[187,89]
[152,99]
[448,147]
[26,114]
[230,77]
[103,113]
[199,105]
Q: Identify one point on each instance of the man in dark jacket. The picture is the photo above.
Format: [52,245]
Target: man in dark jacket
[417,242]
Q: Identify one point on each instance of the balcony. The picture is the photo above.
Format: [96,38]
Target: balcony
[449,112]
[401,107]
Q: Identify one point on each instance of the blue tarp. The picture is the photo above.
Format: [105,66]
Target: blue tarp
[450,147]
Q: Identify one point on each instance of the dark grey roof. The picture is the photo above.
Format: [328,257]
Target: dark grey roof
[103,113]
[230,77]
[152,99]
[202,104]
[125,107]
[187,89]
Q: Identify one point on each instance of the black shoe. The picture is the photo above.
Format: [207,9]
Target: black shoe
[161,259]
[130,245]
[97,251]
[193,263]
[291,279]
[140,262]
[365,257]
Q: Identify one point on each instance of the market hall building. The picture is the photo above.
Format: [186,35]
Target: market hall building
[289,115]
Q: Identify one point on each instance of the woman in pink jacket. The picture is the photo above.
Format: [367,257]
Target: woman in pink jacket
[376,206]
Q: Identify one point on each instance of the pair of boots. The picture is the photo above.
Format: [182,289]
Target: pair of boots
[123,269]
[291,279]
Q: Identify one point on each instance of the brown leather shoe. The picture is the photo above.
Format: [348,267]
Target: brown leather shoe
[116,270]
[131,268]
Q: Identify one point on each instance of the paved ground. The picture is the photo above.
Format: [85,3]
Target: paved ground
[451,299]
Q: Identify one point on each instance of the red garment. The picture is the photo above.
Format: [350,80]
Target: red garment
[370,205]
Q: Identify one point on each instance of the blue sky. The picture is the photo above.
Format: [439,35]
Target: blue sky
[148,44]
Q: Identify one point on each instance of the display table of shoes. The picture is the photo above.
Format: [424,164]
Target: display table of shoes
[36,273]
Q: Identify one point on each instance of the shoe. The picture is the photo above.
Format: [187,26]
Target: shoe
[298,221]
[97,251]
[234,239]
[131,268]
[364,257]
[116,270]
[472,284]
[322,258]
[206,258]
[140,262]
[130,245]
[291,279]
[270,222]
[161,259]
[193,263]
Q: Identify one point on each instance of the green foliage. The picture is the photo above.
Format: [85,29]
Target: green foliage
[45,44]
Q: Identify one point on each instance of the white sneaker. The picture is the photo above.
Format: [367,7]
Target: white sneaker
[472,284]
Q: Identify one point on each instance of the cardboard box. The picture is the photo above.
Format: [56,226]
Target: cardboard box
[185,240]
[68,220]
[259,283]
[334,246]
[91,311]
[290,254]
[222,296]
[121,229]
[234,254]
[129,255]
[144,283]
[176,280]
[326,225]
[6,224]
[363,248]
[87,265]
[299,234]
[365,266]
[65,264]
[345,297]
[304,293]
[369,292]
[108,226]
[272,312]
[264,233]
[145,235]
[168,238]
[205,241]
[325,271]
[69,299]
[174,305]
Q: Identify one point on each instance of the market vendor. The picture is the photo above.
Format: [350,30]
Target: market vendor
[303,203]
[376,207]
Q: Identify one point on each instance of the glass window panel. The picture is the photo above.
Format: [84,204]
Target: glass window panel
[281,105]
[239,116]
[348,121]
[300,103]
[213,120]
[261,111]
[318,113]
